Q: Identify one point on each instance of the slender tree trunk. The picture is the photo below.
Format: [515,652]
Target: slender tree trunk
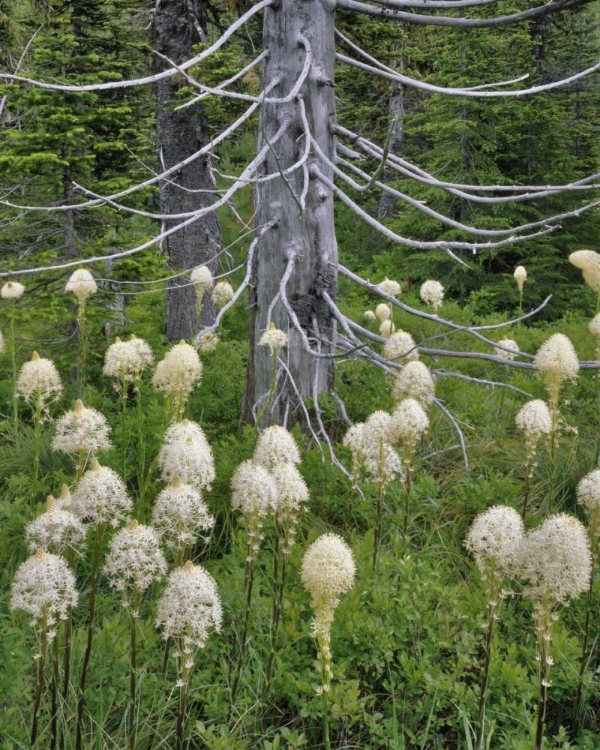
[387,203]
[306,235]
[178,25]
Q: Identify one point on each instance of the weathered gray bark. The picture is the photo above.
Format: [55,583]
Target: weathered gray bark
[178,25]
[309,235]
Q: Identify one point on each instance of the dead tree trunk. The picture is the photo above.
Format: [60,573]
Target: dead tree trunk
[304,237]
[178,25]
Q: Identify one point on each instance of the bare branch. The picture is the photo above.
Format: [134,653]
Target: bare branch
[473,23]
[169,73]
[445,245]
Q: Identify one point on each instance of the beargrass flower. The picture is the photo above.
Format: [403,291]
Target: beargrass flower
[81,430]
[511,345]
[55,530]
[222,294]
[186,453]
[179,371]
[327,572]
[432,293]
[383,312]
[207,342]
[134,560]
[39,381]
[274,339]
[126,360]
[12,290]
[520,275]
[254,494]
[414,381]
[388,286]
[202,278]
[276,446]
[369,316]
[180,516]
[292,496]
[535,420]
[387,328]
[588,262]
[81,283]
[408,424]
[100,497]
[44,587]
[400,346]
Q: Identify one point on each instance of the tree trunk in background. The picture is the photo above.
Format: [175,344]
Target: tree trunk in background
[387,203]
[178,25]
[310,235]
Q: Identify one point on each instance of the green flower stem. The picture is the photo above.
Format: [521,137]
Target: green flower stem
[82,348]
[54,727]
[80,466]
[180,736]
[39,689]
[543,700]
[13,354]
[479,740]
[133,674]
[324,662]
[529,470]
[584,646]
[141,454]
[90,635]
[278,591]
[249,581]
[37,438]
[123,390]
[407,486]
[380,503]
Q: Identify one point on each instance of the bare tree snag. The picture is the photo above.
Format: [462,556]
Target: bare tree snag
[295,31]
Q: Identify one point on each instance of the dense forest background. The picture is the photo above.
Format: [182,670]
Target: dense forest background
[106,141]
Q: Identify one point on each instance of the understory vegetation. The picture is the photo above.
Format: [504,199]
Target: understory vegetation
[407,640]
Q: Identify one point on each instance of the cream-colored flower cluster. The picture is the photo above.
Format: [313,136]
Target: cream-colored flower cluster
[126,360]
[134,560]
[276,446]
[202,278]
[222,294]
[44,587]
[495,539]
[588,263]
[273,338]
[432,293]
[292,496]
[389,286]
[508,349]
[81,283]
[520,275]
[372,450]
[81,430]
[408,424]
[179,371]
[207,342]
[555,561]
[400,347]
[556,360]
[189,609]
[327,572]
[535,420]
[39,381]
[414,381]
[186,454]
[100,497]
[12,290]
[588,495]
[180,515]
[56,530]
[254,494]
